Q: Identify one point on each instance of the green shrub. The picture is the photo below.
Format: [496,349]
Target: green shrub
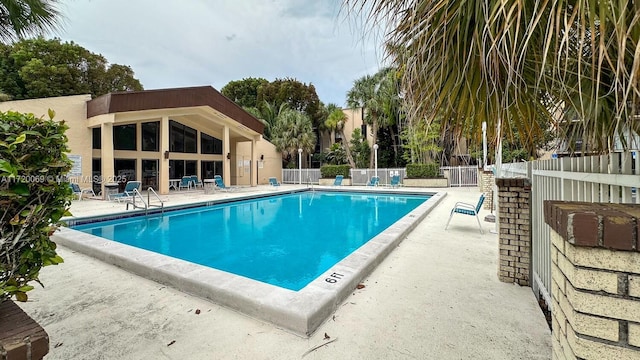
[34,195]
[331,171]
[423,171]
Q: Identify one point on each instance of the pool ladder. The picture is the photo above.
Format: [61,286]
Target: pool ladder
[145,204]
[310,184]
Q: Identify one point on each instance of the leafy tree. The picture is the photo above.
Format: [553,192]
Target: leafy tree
[21,18]
[335,122]
[360,149]
[244,92]
[39,68]
[336,155]
[293,131]
[268,114]
[34,198]
[298,96]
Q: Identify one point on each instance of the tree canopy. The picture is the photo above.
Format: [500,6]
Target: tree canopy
[298,96]
[244,92]
[38,68]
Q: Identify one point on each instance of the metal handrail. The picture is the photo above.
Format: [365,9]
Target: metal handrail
[136,194]
[149,191]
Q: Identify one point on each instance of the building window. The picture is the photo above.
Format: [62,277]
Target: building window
[210,145]
[363,131]
[97,138]
[210,168]
[180,168]
[124,137]
[150,136]
[150,174]
[182,139]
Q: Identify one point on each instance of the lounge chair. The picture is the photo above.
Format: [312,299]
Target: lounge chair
[185,183]
[467,209]
[273,181]
[196,182]
[128,191]
[338,180]
[374,181]
[220,184]
[395,181]
[77,191]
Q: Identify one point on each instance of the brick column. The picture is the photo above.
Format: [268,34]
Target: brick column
[596,280]
[486,180]
[21,338]
[515,230]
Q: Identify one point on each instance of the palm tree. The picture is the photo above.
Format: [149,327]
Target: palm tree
[361,96]
[335,122]
[503,61]
[292,131]
[20,18]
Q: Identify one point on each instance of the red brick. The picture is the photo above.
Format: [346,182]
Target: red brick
[584,228]
[618,230]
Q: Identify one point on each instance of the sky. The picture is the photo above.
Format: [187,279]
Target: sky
[211,42]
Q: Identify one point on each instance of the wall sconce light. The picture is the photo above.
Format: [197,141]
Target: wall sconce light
[261,157]
[229,156]
[166,154]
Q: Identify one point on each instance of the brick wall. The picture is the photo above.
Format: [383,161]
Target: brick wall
[515,230]
[486,180]
[21,338]
[596,280]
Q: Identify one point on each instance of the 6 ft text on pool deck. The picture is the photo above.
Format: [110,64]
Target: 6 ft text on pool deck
[60,179]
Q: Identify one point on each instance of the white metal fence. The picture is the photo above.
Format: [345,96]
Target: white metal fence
[458,175]
[612,178]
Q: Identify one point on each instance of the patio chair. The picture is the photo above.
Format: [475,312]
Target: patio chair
[374,181]
[185,183]
[467,209]
[220,184]
[77,191]
[273,181]
[395,181]
[128,191]
[338,180]
[196,182]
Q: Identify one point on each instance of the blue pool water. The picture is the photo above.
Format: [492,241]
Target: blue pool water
[285,240]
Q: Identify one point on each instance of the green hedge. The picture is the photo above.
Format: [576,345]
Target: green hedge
[34,194]
[423,171]
[331,171]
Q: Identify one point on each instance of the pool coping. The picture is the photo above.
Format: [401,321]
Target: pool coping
[300,312]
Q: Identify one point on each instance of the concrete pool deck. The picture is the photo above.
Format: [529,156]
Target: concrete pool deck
[435,296]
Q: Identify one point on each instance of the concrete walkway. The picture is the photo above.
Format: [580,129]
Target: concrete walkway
[436,296]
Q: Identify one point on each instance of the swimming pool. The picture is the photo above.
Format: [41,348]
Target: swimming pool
[299,311]
[285,240]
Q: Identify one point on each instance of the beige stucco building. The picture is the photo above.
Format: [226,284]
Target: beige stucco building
[158,136]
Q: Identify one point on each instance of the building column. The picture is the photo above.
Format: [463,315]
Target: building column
[163,166]
[226,151]
[106,155]
[254,161]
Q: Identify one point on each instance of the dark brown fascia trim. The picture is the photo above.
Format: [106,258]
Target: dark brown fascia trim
[170,99]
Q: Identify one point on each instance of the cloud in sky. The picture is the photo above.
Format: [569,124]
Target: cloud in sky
[203,42]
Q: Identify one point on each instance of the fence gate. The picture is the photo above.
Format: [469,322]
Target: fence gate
[461,175]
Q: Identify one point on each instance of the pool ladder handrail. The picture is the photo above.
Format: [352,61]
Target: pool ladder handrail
[309,183]
[132,202]
[151,191]
[147,204]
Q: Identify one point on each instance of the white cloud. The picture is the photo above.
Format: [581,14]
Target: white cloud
[201,42]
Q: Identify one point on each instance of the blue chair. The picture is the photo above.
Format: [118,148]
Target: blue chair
[196,182]
[374,181]
[185,183]
[128,191]
[338,180]
[273,181]
[467,209]
[77,191]
[395,181]
[220,184]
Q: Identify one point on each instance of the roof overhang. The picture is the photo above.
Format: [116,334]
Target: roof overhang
[192,97]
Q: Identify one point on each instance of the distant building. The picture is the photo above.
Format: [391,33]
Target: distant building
[156,135]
